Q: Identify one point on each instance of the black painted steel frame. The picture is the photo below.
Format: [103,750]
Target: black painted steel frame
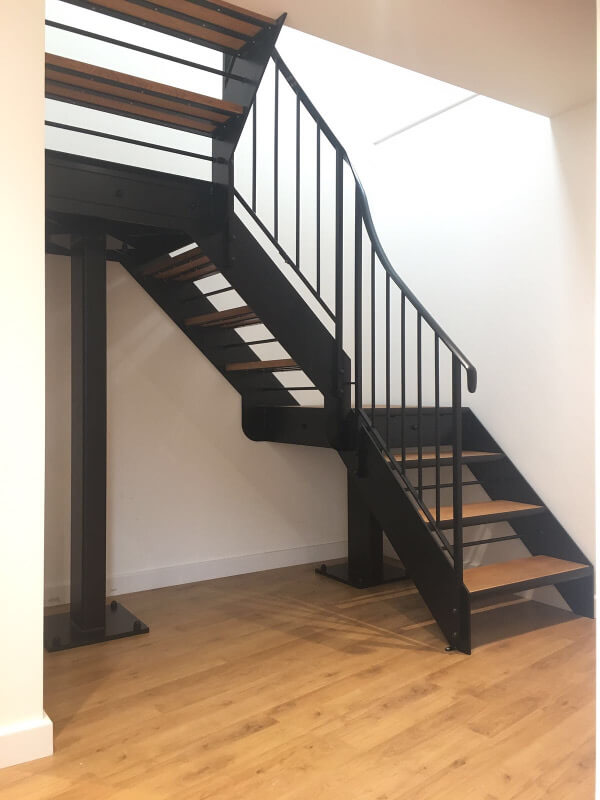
[365,436]
[365,566]
[88,620]
[346,424]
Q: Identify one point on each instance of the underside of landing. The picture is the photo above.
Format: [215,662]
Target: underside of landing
[121,200]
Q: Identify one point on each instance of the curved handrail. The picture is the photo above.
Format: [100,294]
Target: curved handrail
[370,226]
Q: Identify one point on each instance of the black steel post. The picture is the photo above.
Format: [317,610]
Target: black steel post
[438,479]
[365,566]
[88,431]
[89,619]
[457,504]
[358,305]
[318,210]
[340,366]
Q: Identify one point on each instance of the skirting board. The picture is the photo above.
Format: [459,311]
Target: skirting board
[177,574]
[21,743]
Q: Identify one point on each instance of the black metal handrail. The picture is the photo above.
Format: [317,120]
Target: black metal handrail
[370,226]
[376,425]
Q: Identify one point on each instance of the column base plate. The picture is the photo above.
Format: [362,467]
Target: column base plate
[61,634]
[340,572]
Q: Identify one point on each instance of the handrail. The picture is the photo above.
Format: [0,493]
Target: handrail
[370,226]
[347,423]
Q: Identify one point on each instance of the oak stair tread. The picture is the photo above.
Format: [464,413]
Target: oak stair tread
[190,265]
[194,265]
[230,318]
[522,573]
[199,272]
[275,365]
[428,457]
[126,95]
[487,511]
[222,26]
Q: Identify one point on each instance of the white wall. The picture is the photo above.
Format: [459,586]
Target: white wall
[25,732]
[539,55]
[189,497]
[495,232]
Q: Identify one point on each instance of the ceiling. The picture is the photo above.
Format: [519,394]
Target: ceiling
[535,54]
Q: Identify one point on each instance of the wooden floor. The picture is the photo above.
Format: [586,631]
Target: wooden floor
[287,686]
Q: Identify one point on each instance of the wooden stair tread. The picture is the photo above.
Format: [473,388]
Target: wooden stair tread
[445,455]
[187,266]
[196,23]
[511,574]
[231,317]
[116,92]
[277,364]
[488,508]
[254,14]
[167,261]
[484,513]
[196,274]
[219,18]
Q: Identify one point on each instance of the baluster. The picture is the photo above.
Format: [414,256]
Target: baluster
[254,155]
[437,426]
[373,333]
[298,183]
[387,360]
[339,274]
[358,354]
[403,378]
[318,210]
[419,410]
[457,468]
[276,158]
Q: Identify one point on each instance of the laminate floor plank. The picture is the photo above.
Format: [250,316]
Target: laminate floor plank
[285,686]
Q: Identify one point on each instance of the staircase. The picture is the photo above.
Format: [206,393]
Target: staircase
[291,236]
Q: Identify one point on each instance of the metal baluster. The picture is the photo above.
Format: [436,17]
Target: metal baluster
[437,426]
[276,158]
[373,333]
[387,360]
[358,354]
[254,155]
[339,275]
[403,377]
[457,469]
[318,209]
[298,183]
[419,409]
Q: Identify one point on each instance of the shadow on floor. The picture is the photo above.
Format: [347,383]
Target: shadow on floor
[493,623]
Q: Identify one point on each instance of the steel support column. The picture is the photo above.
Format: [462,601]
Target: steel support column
[89,619]
[365,566]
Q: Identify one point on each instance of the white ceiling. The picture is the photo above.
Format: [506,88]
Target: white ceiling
[535,54]
[363,99]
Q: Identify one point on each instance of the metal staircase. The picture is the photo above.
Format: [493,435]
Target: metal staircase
[382,382]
